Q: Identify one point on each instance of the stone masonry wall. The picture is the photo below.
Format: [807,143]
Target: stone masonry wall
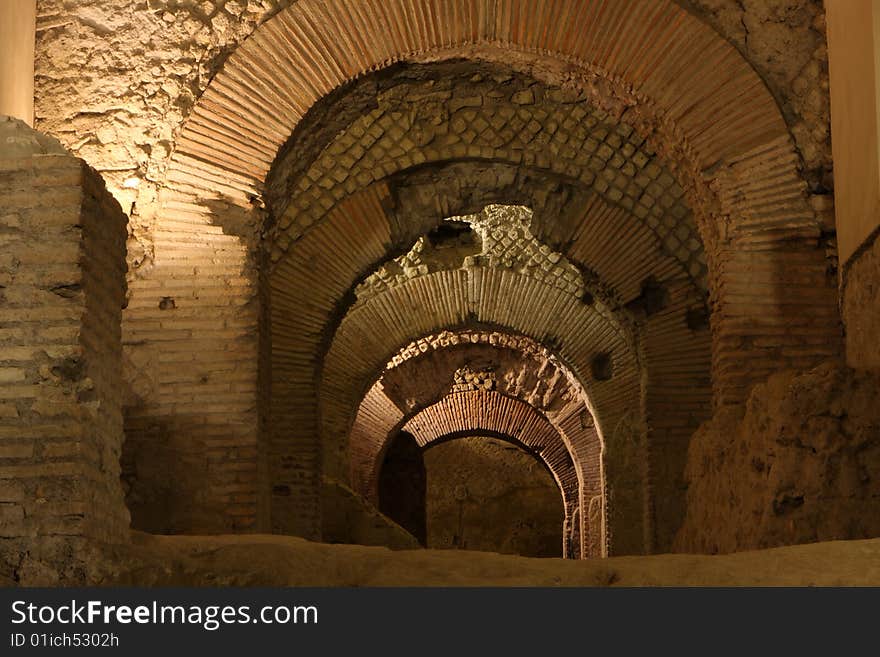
[62,288]
[797,463]
[116,78]
[115,81]
[784,40]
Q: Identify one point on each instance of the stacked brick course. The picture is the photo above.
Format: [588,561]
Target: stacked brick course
[522,371]
[63,288]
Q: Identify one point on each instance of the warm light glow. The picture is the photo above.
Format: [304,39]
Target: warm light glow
[132,183]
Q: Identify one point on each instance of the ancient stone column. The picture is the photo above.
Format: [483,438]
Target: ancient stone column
[17,31]
[854,71]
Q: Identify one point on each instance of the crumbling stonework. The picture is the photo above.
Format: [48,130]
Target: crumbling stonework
[164,54]
[116,79]
[62,288]
[799,463]
[504,240]
[785,41]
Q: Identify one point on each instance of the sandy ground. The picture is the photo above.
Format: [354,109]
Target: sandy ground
[262,560]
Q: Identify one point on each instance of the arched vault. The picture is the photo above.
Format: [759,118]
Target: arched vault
[653,156]
[432,368]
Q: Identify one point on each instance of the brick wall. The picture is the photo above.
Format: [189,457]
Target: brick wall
[424,372]
[63,287]
[191,328]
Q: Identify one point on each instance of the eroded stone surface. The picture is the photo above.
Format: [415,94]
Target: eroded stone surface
[799,463]
[785,41]
[504,239]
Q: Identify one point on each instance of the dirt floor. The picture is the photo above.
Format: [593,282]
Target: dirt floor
[261,560]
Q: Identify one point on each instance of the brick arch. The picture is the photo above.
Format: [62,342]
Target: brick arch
[421,374]
[373,332]
[540,127]
[700,101]
[722,131]
[652,57]
[327,262]
[570,387]
[653,53]
[493,414]
[464,412]
[322,271]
